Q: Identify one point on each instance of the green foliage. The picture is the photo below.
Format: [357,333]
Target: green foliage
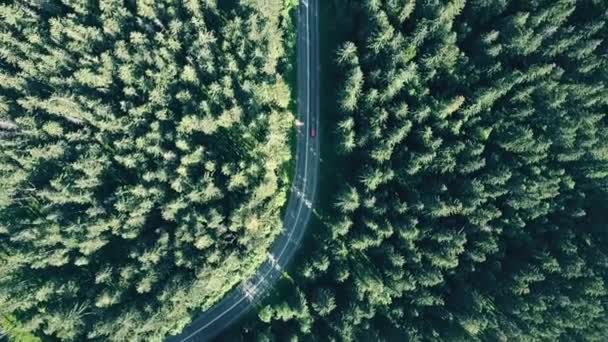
[474,140]
[142,145]
[15,332]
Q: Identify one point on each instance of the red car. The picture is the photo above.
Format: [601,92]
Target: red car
[313,132]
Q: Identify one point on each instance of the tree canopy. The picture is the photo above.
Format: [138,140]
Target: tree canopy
[472,198]
[144,151]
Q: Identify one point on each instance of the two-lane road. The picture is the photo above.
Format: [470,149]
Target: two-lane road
[240,300]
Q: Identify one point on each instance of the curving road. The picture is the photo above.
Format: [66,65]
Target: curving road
[238,302]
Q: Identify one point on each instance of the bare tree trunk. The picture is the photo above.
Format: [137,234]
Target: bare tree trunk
[7,125]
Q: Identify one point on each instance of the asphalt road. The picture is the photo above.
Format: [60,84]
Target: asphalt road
[241,299]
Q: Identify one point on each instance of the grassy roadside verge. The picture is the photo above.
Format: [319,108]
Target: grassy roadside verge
[289,24]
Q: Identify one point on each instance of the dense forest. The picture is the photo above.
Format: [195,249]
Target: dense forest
[472,179]
[144,159]
[145,152]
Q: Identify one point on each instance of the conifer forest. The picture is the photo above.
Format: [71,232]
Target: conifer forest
[147,155]
[143,153]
